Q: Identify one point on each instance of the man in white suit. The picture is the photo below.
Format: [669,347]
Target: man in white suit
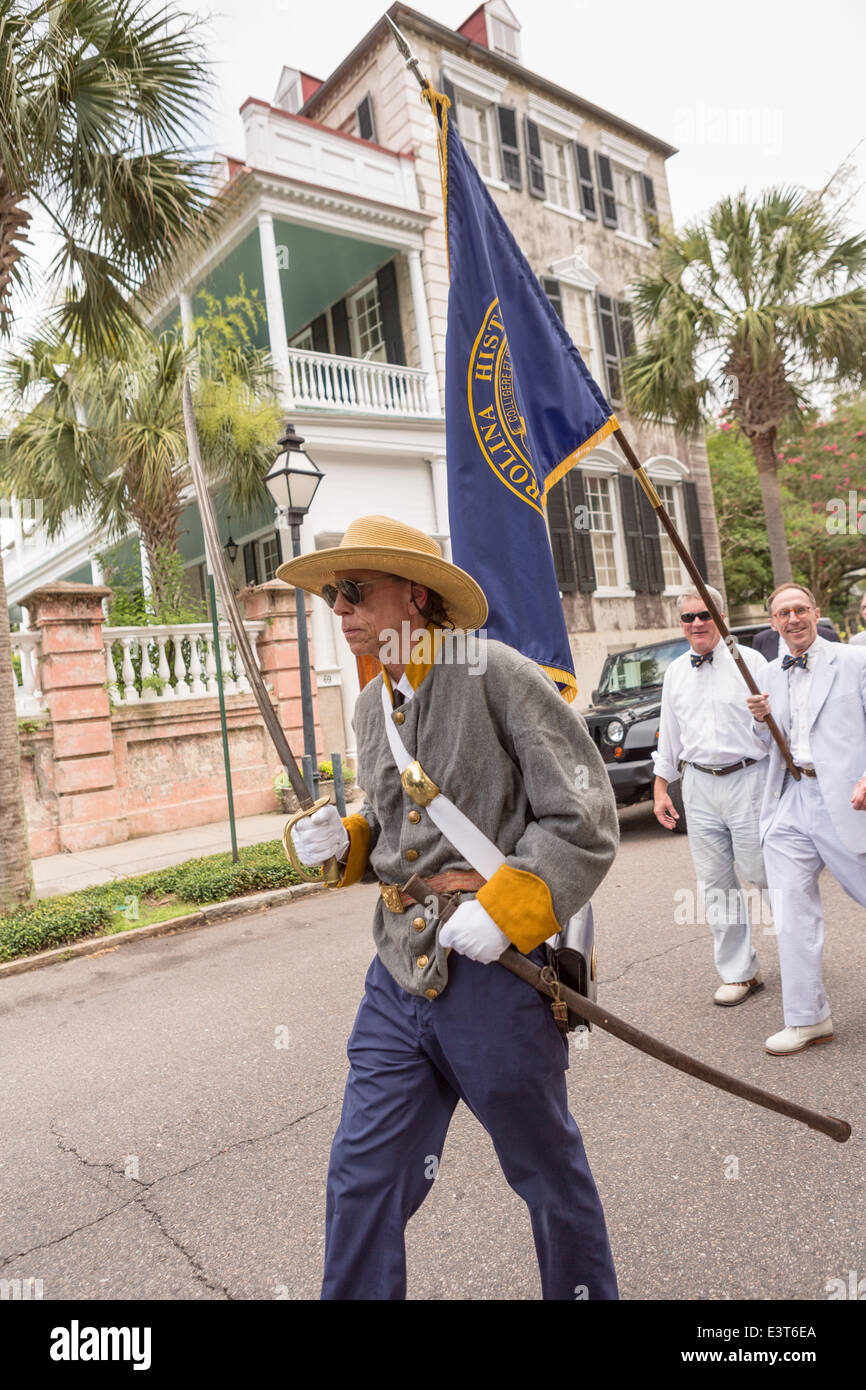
[817,694]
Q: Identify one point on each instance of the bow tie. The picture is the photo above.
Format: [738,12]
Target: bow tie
[699,660]
[788,660]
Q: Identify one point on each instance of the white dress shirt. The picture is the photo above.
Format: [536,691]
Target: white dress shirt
[705,718]
[799,691]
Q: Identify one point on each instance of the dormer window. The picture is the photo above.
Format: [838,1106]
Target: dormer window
[503,38]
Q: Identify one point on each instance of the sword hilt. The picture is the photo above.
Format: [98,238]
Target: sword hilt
[331,870]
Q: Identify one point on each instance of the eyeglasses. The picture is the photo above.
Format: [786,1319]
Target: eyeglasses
[349,588]
[799,612]
[702,613]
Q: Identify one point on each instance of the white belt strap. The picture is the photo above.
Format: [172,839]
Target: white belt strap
[467,839]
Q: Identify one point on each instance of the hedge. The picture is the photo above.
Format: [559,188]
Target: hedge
[91,911]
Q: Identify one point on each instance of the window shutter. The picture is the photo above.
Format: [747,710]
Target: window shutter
[633,533]
[585,185]
[319,329]
[340,325]
[553,292]
[650,211]
[609,344]
[389,307]
[366,124]
[533,158]
[446,87]
[559,520]
[624,327]
[694,528]
[582,538]
[652,548]
[509,150]
[251,568]
[605,183]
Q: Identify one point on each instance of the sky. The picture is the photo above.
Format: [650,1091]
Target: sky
[752,92]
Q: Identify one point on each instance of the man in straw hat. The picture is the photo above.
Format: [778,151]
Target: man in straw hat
[439,1022]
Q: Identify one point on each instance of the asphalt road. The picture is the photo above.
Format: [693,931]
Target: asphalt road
[169,1106]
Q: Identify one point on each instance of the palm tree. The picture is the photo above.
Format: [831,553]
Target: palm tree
[99,100]
[751,307]
[105,440]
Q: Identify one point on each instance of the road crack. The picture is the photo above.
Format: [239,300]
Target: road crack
[657,955]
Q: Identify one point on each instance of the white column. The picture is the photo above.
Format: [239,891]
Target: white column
[146,578]
[422,326]
[277,336]
[439,476]
[186,314]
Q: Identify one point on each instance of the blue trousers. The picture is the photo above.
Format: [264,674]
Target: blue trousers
[489,1040]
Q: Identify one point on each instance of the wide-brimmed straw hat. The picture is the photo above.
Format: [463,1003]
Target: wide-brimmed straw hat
[380,543]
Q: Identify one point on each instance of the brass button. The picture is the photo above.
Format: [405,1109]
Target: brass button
[412,854]
[418,923]
[430,993]
[422,961]
[414,817]
[399,716]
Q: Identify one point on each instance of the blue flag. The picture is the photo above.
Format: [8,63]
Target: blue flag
[520,410]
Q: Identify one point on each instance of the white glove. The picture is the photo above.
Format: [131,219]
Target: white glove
[473,932]
[321,836]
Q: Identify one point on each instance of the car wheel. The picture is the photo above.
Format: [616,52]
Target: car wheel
[675,792]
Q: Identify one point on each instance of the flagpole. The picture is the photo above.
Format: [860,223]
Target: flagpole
[695,576]
[424,83]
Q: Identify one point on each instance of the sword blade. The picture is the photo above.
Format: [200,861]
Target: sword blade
[217,566]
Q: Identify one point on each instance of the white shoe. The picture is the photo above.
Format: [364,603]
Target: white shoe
[728,995]
[796,1039]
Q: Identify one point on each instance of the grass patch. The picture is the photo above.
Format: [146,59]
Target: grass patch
[110,908]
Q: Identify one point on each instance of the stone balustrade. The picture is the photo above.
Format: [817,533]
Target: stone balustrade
[27,647]
[173,662]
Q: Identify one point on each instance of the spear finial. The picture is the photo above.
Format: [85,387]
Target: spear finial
[405,51]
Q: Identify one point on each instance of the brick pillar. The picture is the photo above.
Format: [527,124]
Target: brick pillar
[278,657]
[70,618]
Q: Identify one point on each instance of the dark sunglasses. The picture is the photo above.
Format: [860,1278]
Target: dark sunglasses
[690,617]
[350,590]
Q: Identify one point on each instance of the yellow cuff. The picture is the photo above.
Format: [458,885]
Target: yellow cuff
[520,905]
[359,845]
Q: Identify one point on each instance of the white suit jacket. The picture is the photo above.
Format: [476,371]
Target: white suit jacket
[837,736]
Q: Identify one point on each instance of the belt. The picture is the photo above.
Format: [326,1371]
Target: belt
[808,771]
[723,771]
[452,881]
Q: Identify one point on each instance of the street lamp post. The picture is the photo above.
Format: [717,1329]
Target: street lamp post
[292,482]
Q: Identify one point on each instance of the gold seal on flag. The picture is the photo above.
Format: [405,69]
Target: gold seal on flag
[496,420]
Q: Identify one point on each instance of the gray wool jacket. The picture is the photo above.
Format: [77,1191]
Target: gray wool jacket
[500,741]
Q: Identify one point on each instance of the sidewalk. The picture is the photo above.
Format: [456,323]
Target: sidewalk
[63,873]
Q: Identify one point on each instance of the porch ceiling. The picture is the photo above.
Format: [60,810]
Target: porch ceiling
[321,267]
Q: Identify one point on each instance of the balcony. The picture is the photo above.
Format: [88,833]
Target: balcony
[325,381]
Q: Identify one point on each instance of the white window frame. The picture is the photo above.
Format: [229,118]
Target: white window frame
[352,312]
[555,123]
[485,112]
[628,158]
[260,544]
[485,89]
[303,341]
[598,468]
[574,272]
[673,473]
[501,26]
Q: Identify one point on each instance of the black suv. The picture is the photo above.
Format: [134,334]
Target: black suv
[624,716]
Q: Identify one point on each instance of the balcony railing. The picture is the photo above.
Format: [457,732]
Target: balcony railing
[173,662]
[26,650]
[324,380]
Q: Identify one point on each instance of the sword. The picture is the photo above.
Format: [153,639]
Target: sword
[546,982]
[331,871]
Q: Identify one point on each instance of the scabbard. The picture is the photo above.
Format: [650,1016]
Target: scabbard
[527,970]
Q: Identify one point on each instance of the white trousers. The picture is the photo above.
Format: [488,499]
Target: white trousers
[800,842]
[722,815]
